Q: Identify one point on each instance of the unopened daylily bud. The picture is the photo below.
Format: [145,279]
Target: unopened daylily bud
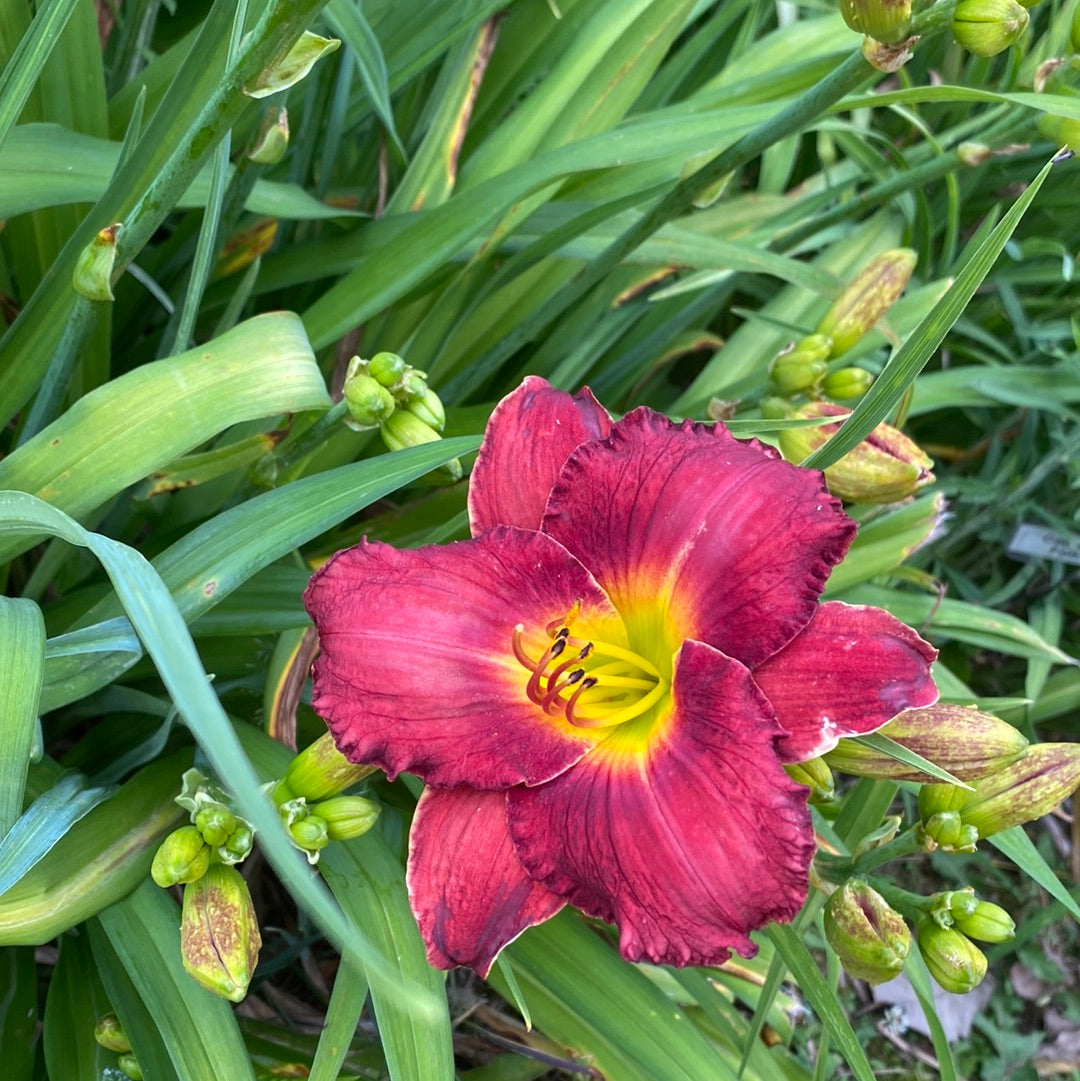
[947,830]
[183,856]
[319,771]
[1060,130]
[219,935]
[387,368]
[92,277]
[347,816]
[940,798]
[216,823]
[309,833]
[988,923]
[238,846]
[955,962]
[429,408]
[988,27]
[369,403]
[870,937]
[404,429]
[801,365]
[816,775]
[413,387]
[961,739]
[129,1064]
[847,383]
[1023,791]
[273,138]
[882,20]
[109,1033]
[872,292]
[958,904]
[885,467]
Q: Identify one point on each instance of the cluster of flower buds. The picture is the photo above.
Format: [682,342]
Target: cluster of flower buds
[988,27]
[945,932]
[955,819]
[386,393]
[109,1033]
[310,802]
[965,741]
[869,937]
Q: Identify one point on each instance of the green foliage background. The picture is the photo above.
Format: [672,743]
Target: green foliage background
[648,196]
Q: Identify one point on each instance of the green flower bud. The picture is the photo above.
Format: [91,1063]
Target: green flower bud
[1025,790]
[870,938]
[988,923]
[883,468]
[959,904]
[815,775]
[130,1066]
[882,20]
[954,961]
[273,138]
[347,816]
[988,27]
[286,71]
[216,823]
[429,409]
[182,857]
[937,798]
[387,368]
[872,292]
[92,277]
[320,771]
[109,1033]
[369,402]
[1060,130]
[946,830]
[413,387]
[847,383]
[238,846]
[219,935]
[968,743]
[309,833]
[405,429]
[801,366]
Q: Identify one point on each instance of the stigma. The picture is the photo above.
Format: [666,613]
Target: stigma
[592,683]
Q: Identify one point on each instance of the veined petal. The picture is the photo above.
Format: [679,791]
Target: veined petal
[687,842]
[737,541]
[469,893]
[849,672]
[417,670]
[530,434]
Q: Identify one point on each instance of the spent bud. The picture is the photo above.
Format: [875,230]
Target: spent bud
[109,1033]
[273,138]
[869,936]
[92,277]
[219,934]
[885,467]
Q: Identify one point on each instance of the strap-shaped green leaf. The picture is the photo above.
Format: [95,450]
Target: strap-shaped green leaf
[22,658]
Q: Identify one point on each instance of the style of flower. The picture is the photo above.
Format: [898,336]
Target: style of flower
[601,687]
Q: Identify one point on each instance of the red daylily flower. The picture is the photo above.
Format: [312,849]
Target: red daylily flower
[600,688]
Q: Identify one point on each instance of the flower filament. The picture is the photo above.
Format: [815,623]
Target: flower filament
[593,683]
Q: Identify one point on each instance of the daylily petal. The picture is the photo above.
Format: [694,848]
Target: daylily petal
[530,434]
[687,841]
[467,889]
[417,670]
[849,672]
[736,541]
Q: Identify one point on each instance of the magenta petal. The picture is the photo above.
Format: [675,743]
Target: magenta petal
[417,670]
[530,434]
[688,843]
[469,893]
[738,541]
[850,671]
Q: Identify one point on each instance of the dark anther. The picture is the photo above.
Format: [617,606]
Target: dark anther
[575,676]
[585,651]
[557,646]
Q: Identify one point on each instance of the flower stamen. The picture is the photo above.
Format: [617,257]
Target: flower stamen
[618,686]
